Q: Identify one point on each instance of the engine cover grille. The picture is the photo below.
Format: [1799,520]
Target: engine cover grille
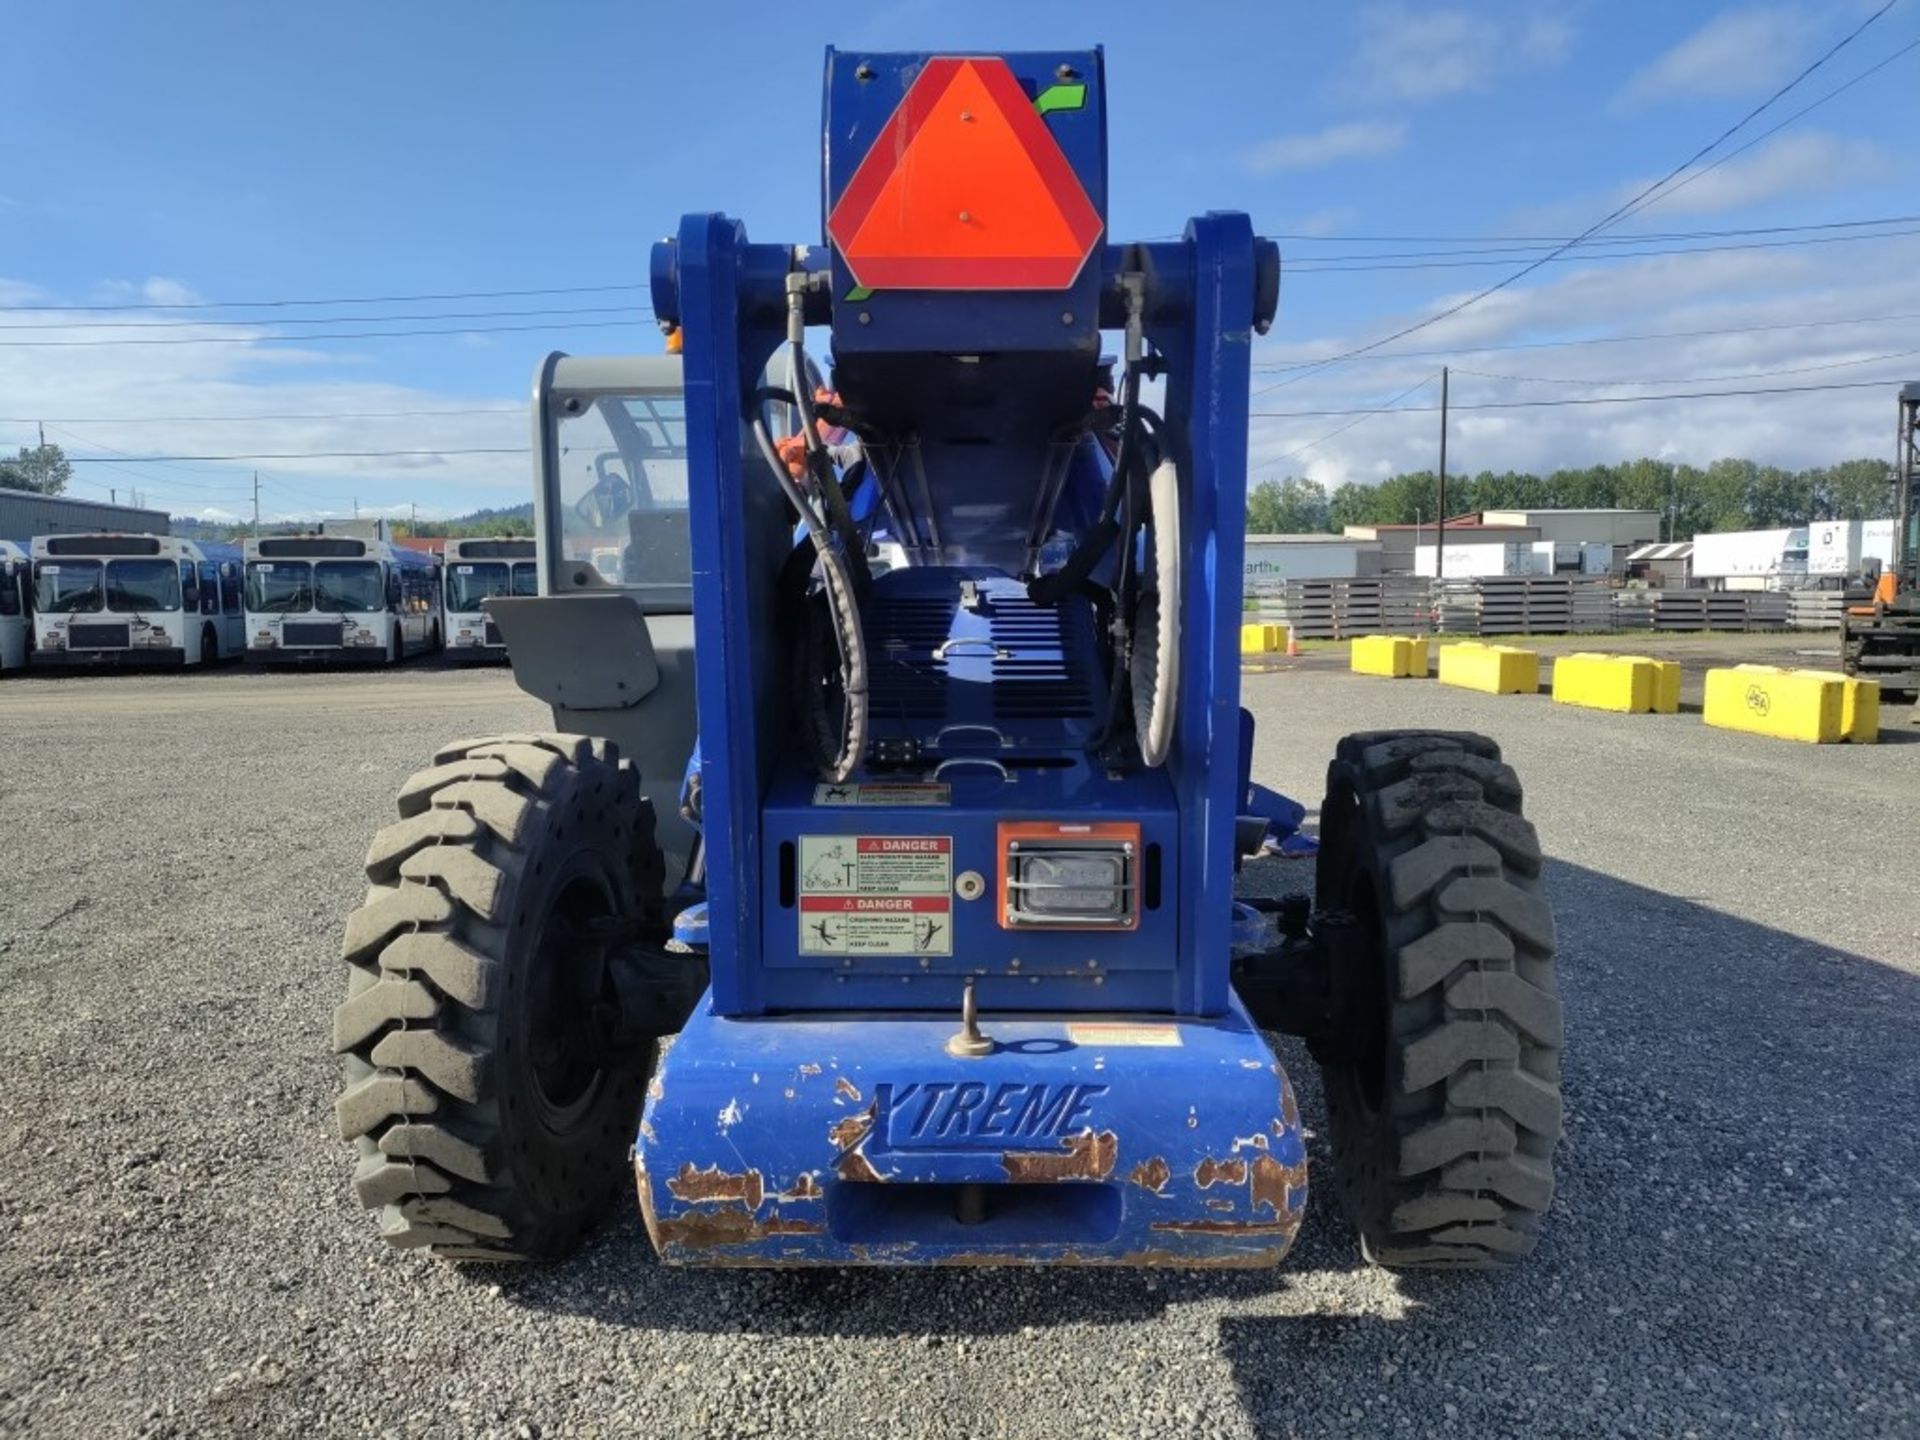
[1006,659]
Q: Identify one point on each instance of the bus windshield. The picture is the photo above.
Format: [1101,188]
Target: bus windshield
[139,585]
[66,587]
[470,582]
[526,578]
[348,585]
[275,587]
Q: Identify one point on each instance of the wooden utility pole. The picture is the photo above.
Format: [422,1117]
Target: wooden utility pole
[256,504]
[1440,529]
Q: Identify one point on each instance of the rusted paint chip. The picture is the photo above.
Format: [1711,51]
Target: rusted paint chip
[1151,1175]
[846,1089]
[849,1130]
[807,1187]
[1273,1181]
[1228,1227]
[716,1186]
[1219,1172]
[704,1229]
[1086,1156]
[855,1166]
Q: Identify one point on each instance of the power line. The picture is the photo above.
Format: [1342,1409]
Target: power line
[319,319]
[1612,216]
[168,482]
[1606,340]
[1584,400]
[341,300]
[309,339]
[1513,244]
[1364,416]
[1532,240]
[1774,129]
[1688,379]
[520,410]
[298,455]
[1587,256]
[128,457]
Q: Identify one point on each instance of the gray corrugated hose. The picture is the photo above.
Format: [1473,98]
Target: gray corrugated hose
[1156,624]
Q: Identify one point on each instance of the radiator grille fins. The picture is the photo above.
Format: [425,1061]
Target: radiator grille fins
[1014,661]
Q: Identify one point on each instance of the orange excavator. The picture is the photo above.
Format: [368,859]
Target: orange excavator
[1880,631]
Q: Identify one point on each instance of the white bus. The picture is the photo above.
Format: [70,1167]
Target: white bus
[122,599]
[321,598]
[16,570]
[475,571]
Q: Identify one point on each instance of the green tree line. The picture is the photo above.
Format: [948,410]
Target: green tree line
[1726,495]
[43,469]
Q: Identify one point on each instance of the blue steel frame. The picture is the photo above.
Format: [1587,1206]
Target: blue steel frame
[809,1117]
[729,298]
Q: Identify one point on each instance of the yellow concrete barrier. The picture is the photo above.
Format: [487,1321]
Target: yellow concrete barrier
[1859,699]
[1626,684]
[1262,639]
[1820,707]
[1494,669]
[1860,710]
[1394,656]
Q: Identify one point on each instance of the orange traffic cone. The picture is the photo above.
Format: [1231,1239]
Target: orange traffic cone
[1293,645]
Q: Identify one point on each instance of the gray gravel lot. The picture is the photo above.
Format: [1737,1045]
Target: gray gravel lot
[1735,1248]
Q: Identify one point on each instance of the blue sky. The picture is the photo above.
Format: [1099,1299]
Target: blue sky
[229,151]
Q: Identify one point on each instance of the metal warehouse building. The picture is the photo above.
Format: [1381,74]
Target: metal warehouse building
[24,514]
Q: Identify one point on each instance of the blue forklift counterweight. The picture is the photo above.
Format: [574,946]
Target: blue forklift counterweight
[882,856]
[1003,825]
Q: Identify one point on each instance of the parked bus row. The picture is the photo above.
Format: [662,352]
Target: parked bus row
[95,601]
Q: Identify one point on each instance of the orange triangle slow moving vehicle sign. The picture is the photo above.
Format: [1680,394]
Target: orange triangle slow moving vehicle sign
[965,189]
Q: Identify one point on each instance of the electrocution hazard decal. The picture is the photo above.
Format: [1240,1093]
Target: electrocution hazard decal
[876,894]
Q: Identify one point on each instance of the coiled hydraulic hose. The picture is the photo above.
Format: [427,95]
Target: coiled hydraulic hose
[843,606]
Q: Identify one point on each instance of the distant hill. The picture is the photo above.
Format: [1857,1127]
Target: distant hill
[488,520]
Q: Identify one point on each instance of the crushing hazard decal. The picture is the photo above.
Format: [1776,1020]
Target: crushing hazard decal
[876,894]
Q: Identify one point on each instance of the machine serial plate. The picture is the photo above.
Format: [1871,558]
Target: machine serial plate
[883,795]
[876,895]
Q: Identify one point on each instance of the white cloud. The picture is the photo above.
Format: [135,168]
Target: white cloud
[1722,292]
[97,399]
[1739,52]
[1801,164]
[1546,39]
[160,290]
[1355,140]
[1412,54]
[1330,221]
[1806,163]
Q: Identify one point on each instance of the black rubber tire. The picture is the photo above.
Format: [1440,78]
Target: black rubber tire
[470,1143]
[1445,1108]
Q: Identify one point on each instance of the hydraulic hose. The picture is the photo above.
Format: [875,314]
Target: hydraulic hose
[843,608]
[1051,589]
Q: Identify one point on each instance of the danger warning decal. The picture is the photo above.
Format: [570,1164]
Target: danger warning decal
[876,895]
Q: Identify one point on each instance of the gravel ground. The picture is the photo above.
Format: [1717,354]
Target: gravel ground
[1735,1249]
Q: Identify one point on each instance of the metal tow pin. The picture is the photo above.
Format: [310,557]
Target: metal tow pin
[968,1043]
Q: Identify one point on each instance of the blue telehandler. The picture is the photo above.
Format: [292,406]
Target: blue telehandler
[872,901]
